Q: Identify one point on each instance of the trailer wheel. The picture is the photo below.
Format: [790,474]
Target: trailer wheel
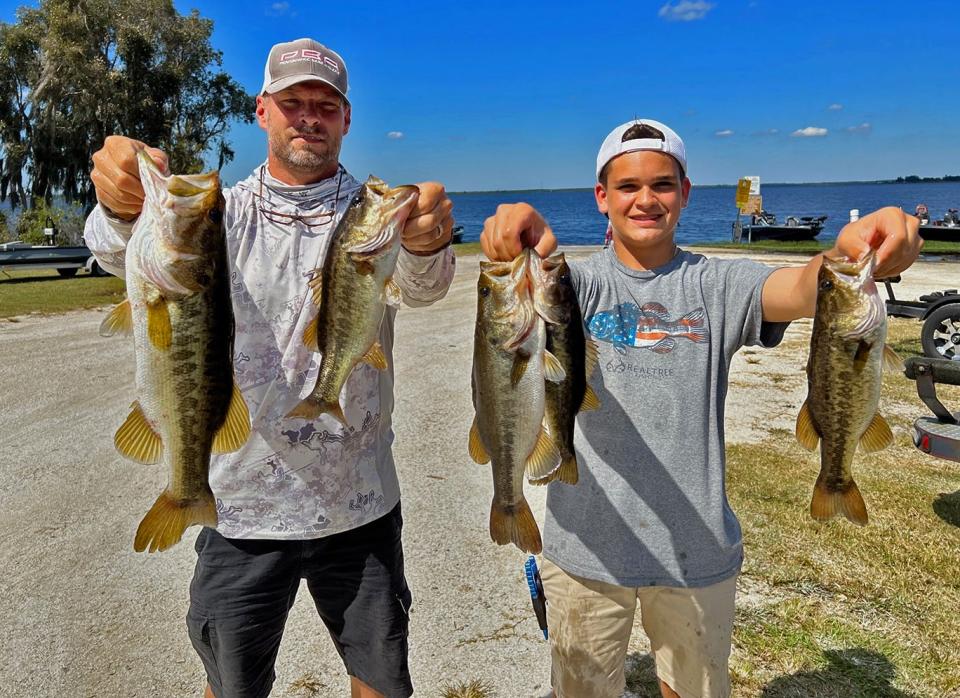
[97,270]
[940,335]
[67,272]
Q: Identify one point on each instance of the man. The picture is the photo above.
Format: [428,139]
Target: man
[649,522]
[302,499]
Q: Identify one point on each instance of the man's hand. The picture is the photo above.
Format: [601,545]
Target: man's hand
[514,227]
[116,175]
[430,225]
[891,232]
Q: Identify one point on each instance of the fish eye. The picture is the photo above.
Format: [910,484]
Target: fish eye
[484,291]
[215,215]
[826,285]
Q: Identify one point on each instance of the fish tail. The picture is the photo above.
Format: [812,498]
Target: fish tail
[311,408]
[827,503]
[568,471]
[514,523]
[168,518]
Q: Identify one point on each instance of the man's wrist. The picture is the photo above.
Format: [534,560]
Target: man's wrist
[431,252]
[110,213]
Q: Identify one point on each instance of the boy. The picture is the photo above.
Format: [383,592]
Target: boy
[649,521]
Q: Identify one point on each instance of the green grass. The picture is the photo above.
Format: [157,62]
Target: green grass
[467,248]
[843,610]
[47,293]
[811,247]
[831,609]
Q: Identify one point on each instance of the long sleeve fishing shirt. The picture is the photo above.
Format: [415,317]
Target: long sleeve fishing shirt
[295,478]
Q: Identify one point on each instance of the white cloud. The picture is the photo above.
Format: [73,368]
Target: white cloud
[685,10]
[862,128]
[395,135]
[280,9]
[809,132]
[724,133]
[835,107]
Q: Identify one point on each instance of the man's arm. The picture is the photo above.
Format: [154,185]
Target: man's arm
[116,178]
[790,293]
[427,264]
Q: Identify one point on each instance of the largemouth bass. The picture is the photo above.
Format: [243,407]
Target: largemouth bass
[556,301]
[179,311]
[847,352]
[352,290]
[510,364]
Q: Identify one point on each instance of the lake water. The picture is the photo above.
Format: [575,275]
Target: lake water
[710,214]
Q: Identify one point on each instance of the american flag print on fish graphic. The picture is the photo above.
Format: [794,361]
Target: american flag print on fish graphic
[647,327]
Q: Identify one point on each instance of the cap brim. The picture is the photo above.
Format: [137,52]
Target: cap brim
[284,83]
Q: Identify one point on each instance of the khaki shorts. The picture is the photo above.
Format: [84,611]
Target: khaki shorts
[590,624]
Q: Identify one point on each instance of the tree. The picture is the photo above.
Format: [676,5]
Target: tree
[74,71]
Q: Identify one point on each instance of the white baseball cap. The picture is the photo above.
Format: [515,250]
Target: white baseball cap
[614,144]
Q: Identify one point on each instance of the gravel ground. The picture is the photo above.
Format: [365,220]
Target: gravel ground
[84,615]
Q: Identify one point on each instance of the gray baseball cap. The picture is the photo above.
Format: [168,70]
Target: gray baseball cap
[301,60]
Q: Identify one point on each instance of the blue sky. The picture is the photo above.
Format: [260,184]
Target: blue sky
[513,95]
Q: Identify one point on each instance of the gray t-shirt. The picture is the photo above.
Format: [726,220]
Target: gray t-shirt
[651,508]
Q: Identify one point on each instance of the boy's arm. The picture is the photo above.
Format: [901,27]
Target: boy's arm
[790,293]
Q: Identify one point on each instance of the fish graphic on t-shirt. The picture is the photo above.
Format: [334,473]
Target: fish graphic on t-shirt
[647,327]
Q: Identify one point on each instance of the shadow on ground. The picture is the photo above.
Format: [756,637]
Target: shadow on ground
[947,507]
[851,673]
[642,676]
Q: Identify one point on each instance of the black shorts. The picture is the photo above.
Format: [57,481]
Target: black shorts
[243,589]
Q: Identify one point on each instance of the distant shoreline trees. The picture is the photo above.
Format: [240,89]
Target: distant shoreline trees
[914,179]
[72,73]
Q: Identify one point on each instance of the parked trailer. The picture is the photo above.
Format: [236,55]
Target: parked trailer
[67,260]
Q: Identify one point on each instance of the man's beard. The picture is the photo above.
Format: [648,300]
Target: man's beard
[307,159]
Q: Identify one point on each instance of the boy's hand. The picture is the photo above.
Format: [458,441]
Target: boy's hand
[116,175]
[430,225]
[514,227]
[890,231]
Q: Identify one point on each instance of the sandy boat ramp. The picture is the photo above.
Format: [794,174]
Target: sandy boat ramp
[83,615]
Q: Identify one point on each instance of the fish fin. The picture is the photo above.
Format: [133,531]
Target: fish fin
[553,370]
[515,524]
[590,400]
[310,334]
[118,321]
[860,356]
[311,408]
[806,431]
[664,346]
[520,361]
[828,503]
[656,309]
[394,294]
[158,324]
[363,265]
[477,451]
[592,357]
[235,430]
[568,471]
[891,360]
[877,436]
[164,524]
[375,357]
[137,440]
[543,461]
[316,286]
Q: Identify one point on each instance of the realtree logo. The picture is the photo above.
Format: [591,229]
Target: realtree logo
[310,54]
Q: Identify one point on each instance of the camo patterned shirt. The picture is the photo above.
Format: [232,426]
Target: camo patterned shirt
[295,478]
[650,508]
